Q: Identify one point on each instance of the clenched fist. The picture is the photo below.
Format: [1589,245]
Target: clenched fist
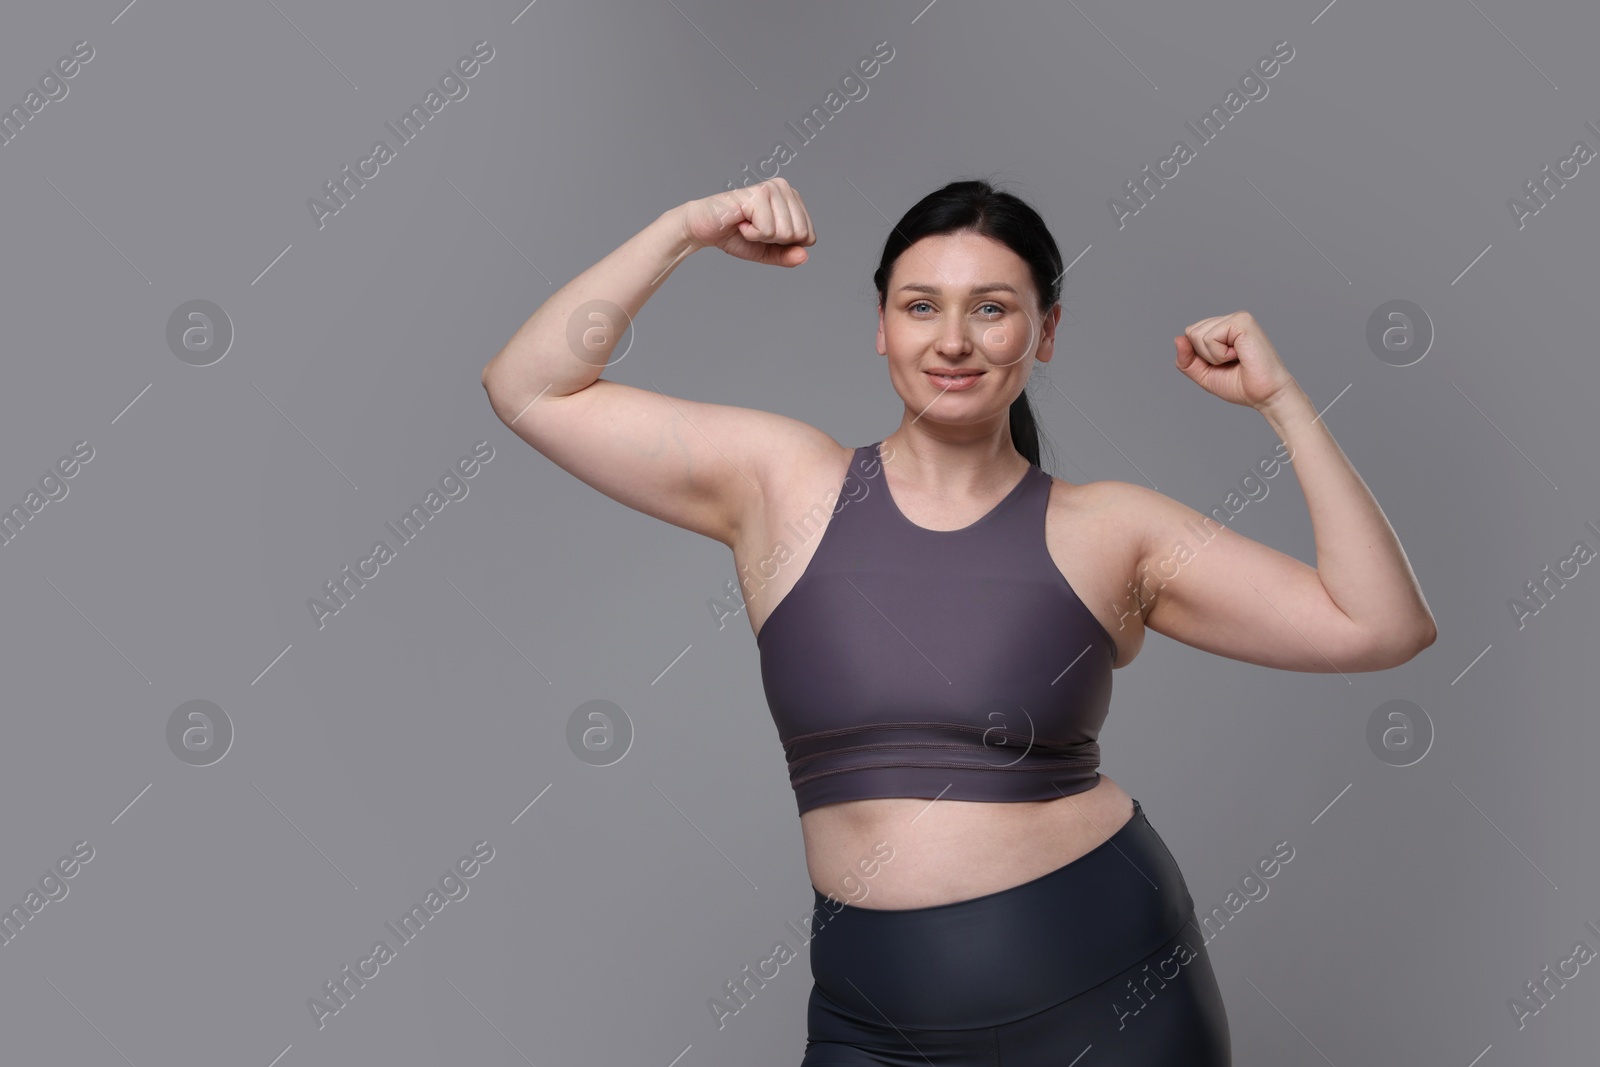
[764,223]
[1229,356]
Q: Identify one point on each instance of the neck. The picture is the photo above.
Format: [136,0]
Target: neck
[953,464]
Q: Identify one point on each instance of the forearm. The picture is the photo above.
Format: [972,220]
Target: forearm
[563,346]
[1359,558]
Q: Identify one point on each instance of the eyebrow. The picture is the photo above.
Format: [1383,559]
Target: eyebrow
[991,287]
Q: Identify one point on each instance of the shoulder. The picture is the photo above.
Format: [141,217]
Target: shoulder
[799,465]
[1097,538]
[796,452]
[1132,514]
[1108,501]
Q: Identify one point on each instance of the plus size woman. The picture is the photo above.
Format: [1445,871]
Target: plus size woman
[937,619]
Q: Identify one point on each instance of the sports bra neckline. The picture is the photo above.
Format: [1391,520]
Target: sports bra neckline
[850,471]
[1016,490]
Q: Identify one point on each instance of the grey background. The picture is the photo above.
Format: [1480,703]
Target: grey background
[370,753]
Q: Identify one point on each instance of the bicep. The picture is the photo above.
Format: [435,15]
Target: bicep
[697,465]
[1221,592]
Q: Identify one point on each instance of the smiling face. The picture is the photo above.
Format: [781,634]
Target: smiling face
[961,327]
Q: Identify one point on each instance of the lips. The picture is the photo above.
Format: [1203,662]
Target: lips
[963,379]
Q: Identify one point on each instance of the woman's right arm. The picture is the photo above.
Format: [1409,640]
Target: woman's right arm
[696,465]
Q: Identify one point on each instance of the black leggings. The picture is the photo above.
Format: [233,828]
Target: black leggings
[1099,961]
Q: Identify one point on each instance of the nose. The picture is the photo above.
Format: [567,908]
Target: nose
[953,339]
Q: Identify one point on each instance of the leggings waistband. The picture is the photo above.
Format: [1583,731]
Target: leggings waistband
[989,960]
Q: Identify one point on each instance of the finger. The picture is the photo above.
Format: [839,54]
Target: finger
[760,214]
[1215,339]
[1193,367]
[1208,325]
[775,254]
[783,224]
[805,234]
[1235,326]
[1190,361]
[1215,354]
[782,255]
[799,226]
[1195,335]
[1228,334]
[733,208]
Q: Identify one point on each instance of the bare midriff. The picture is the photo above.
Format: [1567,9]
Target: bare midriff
[942,851]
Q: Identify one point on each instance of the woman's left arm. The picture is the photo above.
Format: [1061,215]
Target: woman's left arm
[1359,609]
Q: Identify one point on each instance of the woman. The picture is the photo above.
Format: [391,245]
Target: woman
[935,676]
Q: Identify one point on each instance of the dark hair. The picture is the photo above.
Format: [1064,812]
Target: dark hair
[977,206]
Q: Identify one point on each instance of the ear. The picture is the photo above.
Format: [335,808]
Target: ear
[883,348]
[1048,341]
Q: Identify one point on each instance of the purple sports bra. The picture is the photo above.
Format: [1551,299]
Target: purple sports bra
[953,664]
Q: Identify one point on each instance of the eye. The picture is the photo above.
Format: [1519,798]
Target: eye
[999,309]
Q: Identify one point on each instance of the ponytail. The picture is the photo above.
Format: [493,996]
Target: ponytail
[1025,428]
